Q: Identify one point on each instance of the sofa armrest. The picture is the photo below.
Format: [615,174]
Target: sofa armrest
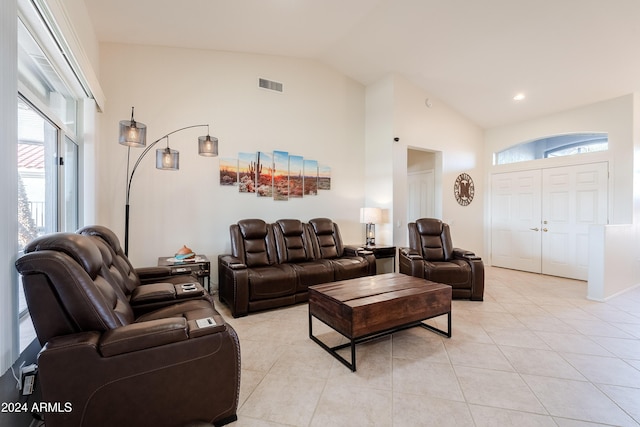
[143,335]
[410,262]
[229,261]
[351,250]
[153,292]
[477,271]
[463,253]
[359,251]
[233,284]
[409,253]
[71,369]
[153,273]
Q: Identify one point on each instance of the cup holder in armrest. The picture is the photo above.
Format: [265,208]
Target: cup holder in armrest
[188,290]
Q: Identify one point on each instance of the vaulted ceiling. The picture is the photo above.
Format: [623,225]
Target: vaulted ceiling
[474,55]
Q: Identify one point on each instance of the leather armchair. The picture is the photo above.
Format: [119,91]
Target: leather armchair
[111,366]
[431,255]
[146,288]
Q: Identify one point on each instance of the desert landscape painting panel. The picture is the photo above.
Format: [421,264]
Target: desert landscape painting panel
[264,174]
[247,172]
[296,180]
[310,177]
[228,171]
[280,175]
[324,177]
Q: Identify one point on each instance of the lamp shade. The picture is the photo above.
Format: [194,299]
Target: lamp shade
[208,146]
[370,215]
[132,133]
[167,159]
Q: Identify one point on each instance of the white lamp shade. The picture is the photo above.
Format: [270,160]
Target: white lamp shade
[370,215]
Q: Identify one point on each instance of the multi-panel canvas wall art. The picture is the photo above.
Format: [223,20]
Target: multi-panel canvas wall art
[276,175]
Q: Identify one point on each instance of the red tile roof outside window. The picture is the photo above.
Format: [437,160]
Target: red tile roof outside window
[30,156]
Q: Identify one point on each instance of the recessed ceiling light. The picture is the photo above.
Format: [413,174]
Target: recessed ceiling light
[519,97]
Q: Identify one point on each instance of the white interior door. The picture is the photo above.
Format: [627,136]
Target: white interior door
[421,195]
[575,197]
[540,218]
[515,220]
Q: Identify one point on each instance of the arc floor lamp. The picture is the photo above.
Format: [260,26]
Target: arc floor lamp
[134,134]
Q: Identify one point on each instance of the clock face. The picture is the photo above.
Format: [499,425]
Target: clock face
[464,189]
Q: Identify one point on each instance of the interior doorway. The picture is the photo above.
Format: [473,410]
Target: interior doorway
[421,193]
[424,192]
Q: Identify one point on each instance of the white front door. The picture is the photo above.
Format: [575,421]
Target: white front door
[574,197]
[540,218]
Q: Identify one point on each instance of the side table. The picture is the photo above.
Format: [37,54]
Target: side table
[381,252]
[200,266]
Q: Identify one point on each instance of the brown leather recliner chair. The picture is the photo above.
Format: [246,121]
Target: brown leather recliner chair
[112,367]
[431,255]
[146,288]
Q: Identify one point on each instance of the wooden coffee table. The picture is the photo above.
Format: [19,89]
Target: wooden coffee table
[369,307]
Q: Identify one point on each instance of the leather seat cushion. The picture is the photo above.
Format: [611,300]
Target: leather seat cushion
[349,268]
[270,282]
[456,273]
[312,273]
[190,310]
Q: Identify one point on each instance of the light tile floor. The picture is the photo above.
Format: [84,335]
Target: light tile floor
[535,352]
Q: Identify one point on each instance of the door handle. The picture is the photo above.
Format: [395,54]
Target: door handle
[545,230]
[534,229]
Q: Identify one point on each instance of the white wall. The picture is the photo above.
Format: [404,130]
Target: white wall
[613,261]
[435,128]
[320,116]
[379,185]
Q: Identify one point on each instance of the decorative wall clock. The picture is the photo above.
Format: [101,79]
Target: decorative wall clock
[463,189]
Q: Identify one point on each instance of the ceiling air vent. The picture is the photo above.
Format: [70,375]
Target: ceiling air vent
[270,85]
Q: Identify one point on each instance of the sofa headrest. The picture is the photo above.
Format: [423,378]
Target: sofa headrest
[253,228]
[104,233]
[322,225]
[429,226]
[81,248]
[290,227]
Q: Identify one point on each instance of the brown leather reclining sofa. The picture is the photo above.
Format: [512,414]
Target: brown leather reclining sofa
[113,366]
[272,265]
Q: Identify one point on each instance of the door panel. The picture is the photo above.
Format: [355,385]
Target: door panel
[574,197]
[515,216]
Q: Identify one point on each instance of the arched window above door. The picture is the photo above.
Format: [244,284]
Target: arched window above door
[553,146]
